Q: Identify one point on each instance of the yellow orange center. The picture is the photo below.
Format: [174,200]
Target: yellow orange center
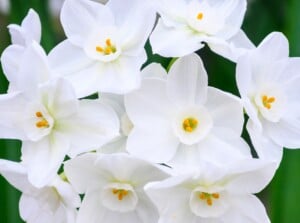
[42,122]
[267,101]
[190,124]
[107,49]
[209,197]
[200,16]
[120,193]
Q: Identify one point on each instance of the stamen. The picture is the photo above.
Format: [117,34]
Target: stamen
[99,49]
[267,102]
[120,193]
[209,197]
[200,16]
[108,49]
[190,124]
[39,114]
[42,124]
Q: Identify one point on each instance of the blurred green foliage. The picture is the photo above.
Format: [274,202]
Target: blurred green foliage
[282,196]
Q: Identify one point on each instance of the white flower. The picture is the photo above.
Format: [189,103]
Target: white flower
[51,121]
[181,120]
[118,144]
[105,46]
[214,194]
[56,202]
[22,37]
[113,187]
[268,81]
[185,25]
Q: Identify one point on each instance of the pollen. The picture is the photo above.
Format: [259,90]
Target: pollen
[42,122]
[120,193]
[268,101]
[190,124]
[208,198]
[107,49]
[200,16]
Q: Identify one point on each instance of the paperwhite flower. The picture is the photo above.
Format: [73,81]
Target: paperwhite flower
[118,144]
[268,81]
[214,194]
[182,120]
[105,46]
[22,37]
[56,202]
[51,121]
[113,187]
[185,25]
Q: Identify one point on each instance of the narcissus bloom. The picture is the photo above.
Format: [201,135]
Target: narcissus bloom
[185,26]
[22,37]
[268,81]
[113,187]
[181,120]
[214,194]
[105,46]
[55,202]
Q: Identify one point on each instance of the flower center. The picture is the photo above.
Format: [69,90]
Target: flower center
[200,16]
[42,122]
[209,197]
[120,193]
[190,124]
[107,49]
[267,101]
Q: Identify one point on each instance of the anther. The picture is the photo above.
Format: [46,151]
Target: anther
[267,102]
[39,114]
[200,16]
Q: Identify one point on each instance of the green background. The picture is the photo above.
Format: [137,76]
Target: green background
[282,196]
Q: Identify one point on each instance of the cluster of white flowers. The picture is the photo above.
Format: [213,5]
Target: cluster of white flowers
[156,146]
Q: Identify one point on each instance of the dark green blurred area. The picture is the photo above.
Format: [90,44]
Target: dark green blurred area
[282,196]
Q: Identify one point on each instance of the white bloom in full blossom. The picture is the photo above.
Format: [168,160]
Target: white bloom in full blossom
[50,120]
[105,46]
[119,143]
[22,37]
[214,194]
[181,120]
[55,202]
[268,81]
[186,25]
[113,187]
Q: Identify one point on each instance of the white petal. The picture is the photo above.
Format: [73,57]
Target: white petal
[30,30]
[133,14]
[44,158]
[266,149]
[83,174]
[233,48]
[92,14]
[134,172]
[172,202]
[187,81]
[34,69]
[154,70]
[11,106]
[67,58]
[16,175]
[150,103]
[248,209]
[11,60]
[157,144]
[285,133]
[250,176]
[225,109]
[174,42]
[94,125]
